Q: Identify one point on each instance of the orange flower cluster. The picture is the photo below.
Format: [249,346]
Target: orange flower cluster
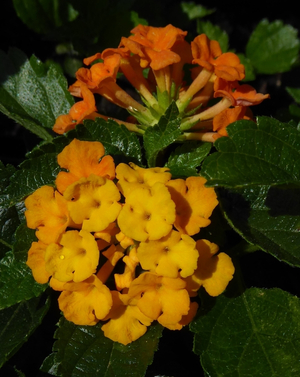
[117,242]
[152,60]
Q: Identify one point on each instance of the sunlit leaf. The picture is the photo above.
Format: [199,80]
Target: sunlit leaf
[273,47]
[32,93]
[255,334]
[82,351]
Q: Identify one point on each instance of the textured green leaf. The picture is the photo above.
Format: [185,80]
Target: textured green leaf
[185,160]
[17,323]
[255,334]
[44,15]
[9,221]
[16,282]
[273,47]
[116,139]
[31,93]
[266,153]
[84,351]
[5,173]
[33,173]
[268,217]
[160,136]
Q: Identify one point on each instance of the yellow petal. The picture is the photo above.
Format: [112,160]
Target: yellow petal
[75,258]
[148,213]
[36,261]
[127,323]
[85,303]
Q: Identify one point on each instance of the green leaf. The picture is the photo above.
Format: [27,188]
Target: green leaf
[185,160]
[17,323]
[268,217]
[9,221]
[262,153]
[193,10]
[5,173]
[31,93]
[44,15]
[84,351]
[32,174]
[273,47]
[295,93]
[116,139]
[255,334]
[16,282]
[214,32]
[160,136]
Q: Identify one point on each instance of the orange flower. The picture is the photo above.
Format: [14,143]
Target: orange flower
[154,45]
[208,54]
[227,116]
[194,203]
[99,72]
[239,95]
[85,109]
[81,159]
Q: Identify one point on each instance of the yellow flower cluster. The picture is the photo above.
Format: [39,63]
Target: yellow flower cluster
[117,243]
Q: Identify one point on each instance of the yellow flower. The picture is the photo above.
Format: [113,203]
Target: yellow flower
[148,213]
[75,258]
[169,256]
[85,303]
[36,261]
[127,323]
[81,159]
[47,211]
[194,203]
[214,271]
[93,202]
[161,298]
[130,177]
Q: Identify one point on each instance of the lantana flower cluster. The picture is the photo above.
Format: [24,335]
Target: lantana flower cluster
[153,61]
[119,243]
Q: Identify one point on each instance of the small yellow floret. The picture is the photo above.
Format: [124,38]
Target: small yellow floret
[133,176]
[214,272]
[93,202]
[75,258]
[161,298]
[85,303]
[127,323]
[194,203]
[47,212]
[169,256]
[148,213]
